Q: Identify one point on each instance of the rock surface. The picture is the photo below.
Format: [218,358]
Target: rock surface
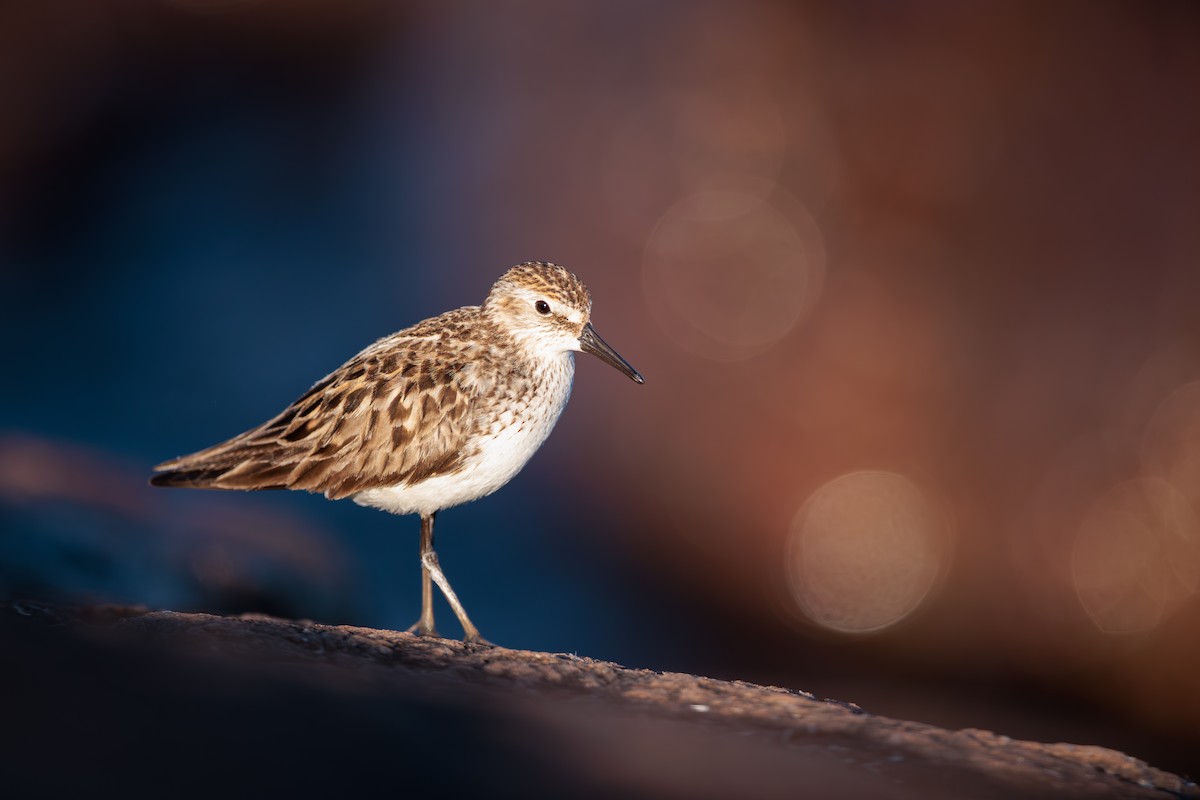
[188,704]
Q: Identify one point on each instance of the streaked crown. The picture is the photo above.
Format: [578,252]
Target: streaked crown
[555,283]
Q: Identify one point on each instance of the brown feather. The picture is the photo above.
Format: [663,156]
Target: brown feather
[377,421]
[407,408]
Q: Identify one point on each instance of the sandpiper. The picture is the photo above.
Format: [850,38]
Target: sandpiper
[436,415]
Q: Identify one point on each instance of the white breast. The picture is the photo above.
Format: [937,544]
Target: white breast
[514,435]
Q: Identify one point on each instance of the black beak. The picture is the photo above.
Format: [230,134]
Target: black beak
[591,342]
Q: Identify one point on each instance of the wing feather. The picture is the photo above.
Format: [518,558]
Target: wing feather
[398,412]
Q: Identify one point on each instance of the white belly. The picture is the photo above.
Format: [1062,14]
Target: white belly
[511,441]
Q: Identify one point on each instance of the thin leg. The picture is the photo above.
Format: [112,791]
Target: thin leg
[470,632]
[424,626]
[433,570]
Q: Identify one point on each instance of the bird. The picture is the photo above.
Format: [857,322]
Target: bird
[433,416]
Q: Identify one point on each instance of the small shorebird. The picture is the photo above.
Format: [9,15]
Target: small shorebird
[433,416]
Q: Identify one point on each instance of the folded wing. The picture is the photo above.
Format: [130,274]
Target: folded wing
[392,415]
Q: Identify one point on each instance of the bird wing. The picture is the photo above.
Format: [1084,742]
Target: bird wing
[395,414]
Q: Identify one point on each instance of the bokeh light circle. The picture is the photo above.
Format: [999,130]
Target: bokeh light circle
[722,138]
[1136,556]
[865,551]
[727,275]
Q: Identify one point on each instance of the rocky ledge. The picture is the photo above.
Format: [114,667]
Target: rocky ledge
[109,699]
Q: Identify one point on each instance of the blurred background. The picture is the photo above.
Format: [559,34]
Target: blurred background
[913,287]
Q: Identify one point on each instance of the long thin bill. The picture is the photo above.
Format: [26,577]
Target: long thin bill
[591,342]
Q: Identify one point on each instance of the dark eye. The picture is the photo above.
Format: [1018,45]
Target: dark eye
[542,307]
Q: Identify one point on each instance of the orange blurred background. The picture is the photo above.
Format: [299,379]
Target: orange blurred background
[913,286]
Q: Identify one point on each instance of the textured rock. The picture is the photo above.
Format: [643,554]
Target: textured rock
[456,718]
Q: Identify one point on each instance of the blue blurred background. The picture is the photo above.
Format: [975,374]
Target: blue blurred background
[913,287]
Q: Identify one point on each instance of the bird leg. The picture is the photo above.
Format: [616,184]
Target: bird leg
[431,570]
[424,626]
[470,632]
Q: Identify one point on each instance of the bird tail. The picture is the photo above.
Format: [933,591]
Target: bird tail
[236,464]
[200,478]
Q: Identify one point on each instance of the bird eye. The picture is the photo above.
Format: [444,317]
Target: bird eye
[542,307]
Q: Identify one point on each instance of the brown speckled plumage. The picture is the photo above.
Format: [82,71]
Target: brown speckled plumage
[398,412]
[435,415]
[403,410]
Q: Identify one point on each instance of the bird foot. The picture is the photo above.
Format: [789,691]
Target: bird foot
[475,638]
[422,630]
